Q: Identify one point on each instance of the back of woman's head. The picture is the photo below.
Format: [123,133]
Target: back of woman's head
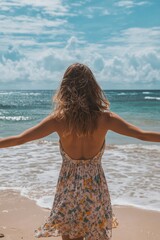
[79,100]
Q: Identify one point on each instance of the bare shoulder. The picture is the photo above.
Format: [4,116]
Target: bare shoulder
[104,120]
[106,116]
[52,119]
[58,122]
[49,120]
[111,119]
[110,116]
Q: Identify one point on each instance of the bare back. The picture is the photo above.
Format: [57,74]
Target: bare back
[84,147]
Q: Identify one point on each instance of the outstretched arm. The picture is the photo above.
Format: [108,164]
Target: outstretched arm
[47,126]
[119,125]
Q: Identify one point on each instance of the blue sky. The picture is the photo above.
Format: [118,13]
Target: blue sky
[118,40]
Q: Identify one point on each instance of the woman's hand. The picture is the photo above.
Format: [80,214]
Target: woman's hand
[47,126]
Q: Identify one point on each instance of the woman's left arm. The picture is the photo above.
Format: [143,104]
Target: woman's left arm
[47,126]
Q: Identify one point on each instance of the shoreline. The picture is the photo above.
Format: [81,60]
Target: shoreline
[20,216]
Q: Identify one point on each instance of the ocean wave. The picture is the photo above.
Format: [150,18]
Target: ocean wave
[131,171]
[30,94]
[15,118]
[146,92]
[6,93]
[20,93]
[152,98]
[126,202]
[135,146]
[122,93]
[128,93]
[133,93]
[46,142]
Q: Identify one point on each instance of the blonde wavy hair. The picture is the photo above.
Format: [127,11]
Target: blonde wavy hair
[79,100]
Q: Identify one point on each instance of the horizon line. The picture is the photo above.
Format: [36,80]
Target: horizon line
[58,88]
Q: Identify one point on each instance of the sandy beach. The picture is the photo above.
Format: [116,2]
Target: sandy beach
[19,217]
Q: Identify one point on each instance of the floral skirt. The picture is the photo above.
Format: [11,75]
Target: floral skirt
[82,205]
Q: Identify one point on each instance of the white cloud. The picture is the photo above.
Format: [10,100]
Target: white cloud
[127,4]
[116,67]
[34,32]
[89,10]
[26,24]
[138,37]
[43,41]
[130,3]
[73,43]
[54,8]
[132,68]
[97,10]
[12,54]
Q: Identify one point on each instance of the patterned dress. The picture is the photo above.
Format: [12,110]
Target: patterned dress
[82,205]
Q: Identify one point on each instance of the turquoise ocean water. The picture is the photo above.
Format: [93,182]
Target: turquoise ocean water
[131,166]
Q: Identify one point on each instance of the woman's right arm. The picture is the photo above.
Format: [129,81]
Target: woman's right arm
[119,125]
[47,126]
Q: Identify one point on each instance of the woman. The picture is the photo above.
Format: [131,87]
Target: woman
[82,205]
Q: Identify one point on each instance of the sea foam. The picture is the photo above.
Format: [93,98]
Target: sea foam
[132,172]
